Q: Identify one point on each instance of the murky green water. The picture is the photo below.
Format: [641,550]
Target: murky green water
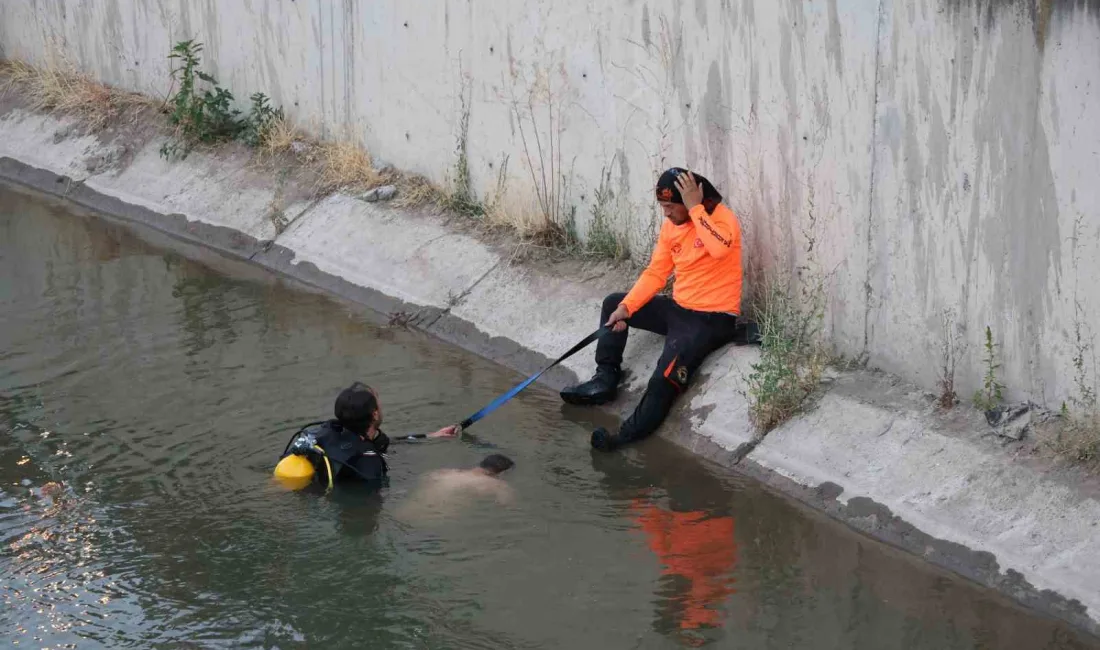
[144,398]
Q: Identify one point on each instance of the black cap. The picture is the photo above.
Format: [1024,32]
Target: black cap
[666,187]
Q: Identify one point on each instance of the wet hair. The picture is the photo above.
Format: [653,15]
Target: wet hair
[495,464]
[355,407]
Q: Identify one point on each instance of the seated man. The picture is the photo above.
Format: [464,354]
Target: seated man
[700,241]
[445,491]
[351,446]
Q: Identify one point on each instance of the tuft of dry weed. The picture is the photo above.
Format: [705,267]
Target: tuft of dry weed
[60,87]
[520,214]
[414,191]
[1075,437]
[346,165]
[278,137]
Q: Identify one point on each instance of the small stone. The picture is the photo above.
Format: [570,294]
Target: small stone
[299,148]
[384,193]
[104,160]
[1012,422]
[64,133]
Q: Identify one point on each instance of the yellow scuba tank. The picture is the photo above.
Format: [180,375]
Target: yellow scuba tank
[294,472]
[301,458]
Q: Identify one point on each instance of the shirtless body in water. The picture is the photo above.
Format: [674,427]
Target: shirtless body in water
[445,491]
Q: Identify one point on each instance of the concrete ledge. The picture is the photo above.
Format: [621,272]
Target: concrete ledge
[416,260]
[884,467]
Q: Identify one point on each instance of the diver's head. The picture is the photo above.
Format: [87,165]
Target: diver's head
[358,410]
[495,464]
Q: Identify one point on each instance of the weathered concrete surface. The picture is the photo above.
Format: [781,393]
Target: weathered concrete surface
[936,157]
[870,454]
[418,261]
[985,203]
[1044,530]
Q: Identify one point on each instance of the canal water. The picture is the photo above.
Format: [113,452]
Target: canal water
[147,388]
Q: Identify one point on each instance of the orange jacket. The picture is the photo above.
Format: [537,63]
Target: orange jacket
[705,253]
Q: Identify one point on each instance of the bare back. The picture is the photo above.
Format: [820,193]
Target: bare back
[445,492]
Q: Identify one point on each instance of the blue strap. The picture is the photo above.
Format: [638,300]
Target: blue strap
[495,404]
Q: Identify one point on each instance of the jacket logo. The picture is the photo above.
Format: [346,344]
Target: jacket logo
[676,248]
[706,224]
[698,243]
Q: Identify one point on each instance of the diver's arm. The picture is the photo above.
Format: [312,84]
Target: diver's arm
[445,432]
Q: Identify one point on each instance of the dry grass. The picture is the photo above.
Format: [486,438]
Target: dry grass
[1074,437]
[59,87]
[345,165]
[520,214]
[278,137]
[414,191]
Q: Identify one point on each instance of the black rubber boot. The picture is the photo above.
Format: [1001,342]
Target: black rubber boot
[604,440]
[601,389]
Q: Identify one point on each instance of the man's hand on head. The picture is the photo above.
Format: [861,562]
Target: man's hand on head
[690,191]
[617,322]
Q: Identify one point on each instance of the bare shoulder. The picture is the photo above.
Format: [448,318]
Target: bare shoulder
[443,473]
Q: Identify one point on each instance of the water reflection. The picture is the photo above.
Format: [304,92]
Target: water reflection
[686,523]
[698,554]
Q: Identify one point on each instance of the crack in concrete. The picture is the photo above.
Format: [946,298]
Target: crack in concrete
[267,245]
[746,448]
[453,301]
[312,204]
[871,187]
[431,241]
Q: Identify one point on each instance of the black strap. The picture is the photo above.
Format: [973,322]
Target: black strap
[298,433]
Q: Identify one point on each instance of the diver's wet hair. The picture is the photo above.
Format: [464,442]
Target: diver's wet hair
[495,464]
[355,407]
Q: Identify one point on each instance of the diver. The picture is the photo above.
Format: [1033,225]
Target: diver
[351,446]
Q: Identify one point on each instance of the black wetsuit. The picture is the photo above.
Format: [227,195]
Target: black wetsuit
[352,457]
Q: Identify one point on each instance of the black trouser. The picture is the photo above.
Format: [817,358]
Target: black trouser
[689,337]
